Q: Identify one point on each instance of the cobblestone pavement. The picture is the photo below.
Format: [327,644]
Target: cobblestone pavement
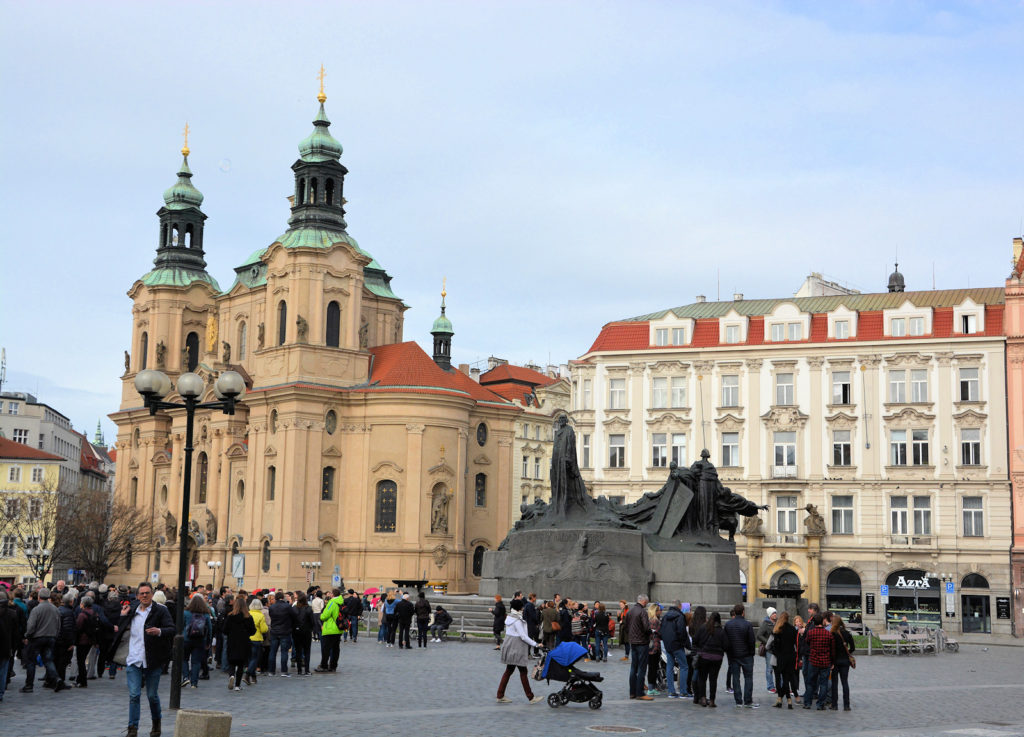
[449,690]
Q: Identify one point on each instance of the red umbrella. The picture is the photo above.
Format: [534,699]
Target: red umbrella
[373,590]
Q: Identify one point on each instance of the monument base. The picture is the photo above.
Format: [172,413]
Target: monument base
[590,564]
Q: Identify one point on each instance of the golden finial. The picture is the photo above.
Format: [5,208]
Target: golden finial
[444,282]
[321,97]
[184,149]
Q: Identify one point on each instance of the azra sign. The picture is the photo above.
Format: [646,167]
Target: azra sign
[913,583]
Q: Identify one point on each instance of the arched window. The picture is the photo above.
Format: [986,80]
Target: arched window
[282,321]
[266,556]
[313,192]
[974,581]
[787,579]
[240,490]
[271,482]
[481,489]
[241,341]
[387,502]
[188,236]
[156,556]
[300,192]
[329,192]
[478,559]
[163,235]
[202,471]
[234,548]
[327,486]
[134,494]
[143,350]
[128,557]
[174,235]
[333,338]
[192,346]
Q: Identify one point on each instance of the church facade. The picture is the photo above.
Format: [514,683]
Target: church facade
[352,453]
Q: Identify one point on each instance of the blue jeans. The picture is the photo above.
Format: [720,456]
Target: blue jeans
[43,647]
[254,658]
[5,664]
[353,628]
[285,643]
[136,676]
[746,664]
[679,658]
[637,670]
[196,655]
[816,685]
[806,668]
[601,644]
[769,672]
[223,645]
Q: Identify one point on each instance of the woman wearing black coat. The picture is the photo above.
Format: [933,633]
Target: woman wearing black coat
[304,627]
[238,628]
[841,664]
[498,610]
[710,643]
[783,652]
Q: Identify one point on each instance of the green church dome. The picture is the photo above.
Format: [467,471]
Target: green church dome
[183,195]
[320,145]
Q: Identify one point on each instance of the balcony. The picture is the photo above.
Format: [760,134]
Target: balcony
[784,539]
[783,472]
[917,541]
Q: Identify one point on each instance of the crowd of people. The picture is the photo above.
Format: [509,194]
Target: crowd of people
[82,633]
[682,653]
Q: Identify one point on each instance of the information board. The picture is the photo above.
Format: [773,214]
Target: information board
[869,603]
[1002,607]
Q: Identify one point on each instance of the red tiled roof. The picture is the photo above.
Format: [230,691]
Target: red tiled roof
[406,366]
[755,331]
[507,372]
[819,327]
[942,322]
[994,319]
[511,391]
[112,452]
[705,333]
[18,451]
[622,336]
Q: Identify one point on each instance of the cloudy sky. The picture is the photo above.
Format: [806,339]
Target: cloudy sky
[563,164]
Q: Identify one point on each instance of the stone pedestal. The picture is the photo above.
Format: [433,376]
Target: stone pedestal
[610,564]
[202,723]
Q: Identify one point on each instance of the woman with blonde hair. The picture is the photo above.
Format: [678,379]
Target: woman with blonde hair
[653,649]
[783,653]
[260,628]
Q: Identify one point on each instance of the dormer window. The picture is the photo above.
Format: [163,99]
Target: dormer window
[794,331]
[678,336]
[898,327]
[968,324]
[842,329]
[661,336]
[732,333]
[917,326]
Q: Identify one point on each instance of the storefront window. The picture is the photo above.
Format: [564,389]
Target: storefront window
[914,599]
[843,594]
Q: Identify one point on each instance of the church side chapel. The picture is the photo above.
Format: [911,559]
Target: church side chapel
[352,447]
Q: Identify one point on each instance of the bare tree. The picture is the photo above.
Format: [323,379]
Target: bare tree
[37,520]
[107,533]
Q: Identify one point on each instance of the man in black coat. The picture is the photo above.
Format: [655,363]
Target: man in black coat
[10,638]
[676,641]
[740,634]
[149,630]
[532,618]
[404,610]
[282,625]
[353,610]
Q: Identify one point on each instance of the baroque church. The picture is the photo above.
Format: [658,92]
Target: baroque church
[352,453]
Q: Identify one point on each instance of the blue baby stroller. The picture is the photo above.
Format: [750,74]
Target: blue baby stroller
[559,665]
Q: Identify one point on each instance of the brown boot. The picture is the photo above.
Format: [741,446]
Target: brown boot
[155,731]
[132,732]
[778,702]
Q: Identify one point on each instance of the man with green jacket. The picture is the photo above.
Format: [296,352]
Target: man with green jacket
[330,634]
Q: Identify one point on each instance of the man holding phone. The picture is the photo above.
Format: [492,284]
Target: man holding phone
[150,630]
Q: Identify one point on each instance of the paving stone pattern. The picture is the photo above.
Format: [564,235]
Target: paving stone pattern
[449,690]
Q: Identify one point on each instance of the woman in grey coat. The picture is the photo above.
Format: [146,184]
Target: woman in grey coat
[515,652]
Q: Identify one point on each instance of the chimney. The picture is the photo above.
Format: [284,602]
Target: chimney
[474,374]
[737,297]
[701,298]
[464,368]
[1018,246]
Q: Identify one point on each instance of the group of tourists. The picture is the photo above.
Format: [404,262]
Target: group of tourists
[694,644]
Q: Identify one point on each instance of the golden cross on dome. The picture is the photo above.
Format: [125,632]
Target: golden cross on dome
[321,97]
[444,283]
[184,149]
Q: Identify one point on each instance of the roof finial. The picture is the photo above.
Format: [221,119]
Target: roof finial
[184,149]
[321,97]
[444,283]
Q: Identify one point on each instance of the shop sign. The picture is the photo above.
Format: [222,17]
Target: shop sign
[1002,607]
[869,603]
[913,583]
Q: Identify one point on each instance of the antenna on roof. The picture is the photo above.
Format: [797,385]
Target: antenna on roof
[933,275]
[718,285]
[3,367]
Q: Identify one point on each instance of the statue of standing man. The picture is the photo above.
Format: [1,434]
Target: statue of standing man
[567,487]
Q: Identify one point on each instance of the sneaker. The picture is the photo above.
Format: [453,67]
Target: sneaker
[503,700]
[645,698]
[673,696]
[652,692]
[286,675]
[238,688]
[246,680]
[771,690]
[686,695]
[755,705]
[185,682]
[536,699]
[624,658]
[25,689]
[231,683]
[728,690]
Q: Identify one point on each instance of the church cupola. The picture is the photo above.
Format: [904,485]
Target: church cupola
[319,176]
[181,222]
[896,283]
[442,332]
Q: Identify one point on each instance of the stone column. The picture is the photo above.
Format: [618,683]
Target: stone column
[814,592]
[413,531]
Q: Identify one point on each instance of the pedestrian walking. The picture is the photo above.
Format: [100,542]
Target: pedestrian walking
[282,624]
[40,637]
[638,634]
[198,635]
[783,652]
[404,611]
[240,627]
[150,630]
[764,631]
[844,647]
[304,626]
[87,629]
[9,639]
[515,652]
[498,611]
[330,633]
[602,622]
[258,638]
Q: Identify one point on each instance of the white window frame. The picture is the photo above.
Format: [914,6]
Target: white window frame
[968,323]
[617,450]
[898,515]
[526,467]
[922,515]
[585,450]
[37,475]
[841,380]
[898,386]
[678,336]
[678,452]
[842,514]
[8,546]
[12,408]
[659,392]
[916,326]
[20,435]
[661,336]
[785,392]
[794,331]
[897,327]
[617,393]
[785,517]
[588,394]
[973,516]
[730,390]
[14,475]
[536,467]
[842,448]
[732,334]
[919,450]
[842,329]
[678,397]
[897,447]
[919,385]
[778,331]
[659,450]
[970,446]
[784,449]
[970,386]
[730,449]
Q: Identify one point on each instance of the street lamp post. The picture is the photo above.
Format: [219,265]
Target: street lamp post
[154,386]
[214,566]
[39,560]
[311,567]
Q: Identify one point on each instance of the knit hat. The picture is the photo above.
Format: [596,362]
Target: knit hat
[771,610]
[405,596]
[44,593]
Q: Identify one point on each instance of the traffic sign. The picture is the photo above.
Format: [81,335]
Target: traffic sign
[237,565]
[885,589]
[336,580]
[950,587]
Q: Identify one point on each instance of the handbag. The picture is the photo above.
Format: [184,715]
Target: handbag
[120,656]
[555,627]
[853,660]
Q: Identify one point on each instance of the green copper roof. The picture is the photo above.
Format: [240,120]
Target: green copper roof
[442,325]
[183,195]
[378,282]
[320,145]
[177,277]
[310,237]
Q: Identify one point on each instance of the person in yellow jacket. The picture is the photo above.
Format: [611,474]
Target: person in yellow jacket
[256,610]
[330,634]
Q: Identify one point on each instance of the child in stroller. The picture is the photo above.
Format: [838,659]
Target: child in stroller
[560,665]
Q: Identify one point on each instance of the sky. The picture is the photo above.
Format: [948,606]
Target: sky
[561,164]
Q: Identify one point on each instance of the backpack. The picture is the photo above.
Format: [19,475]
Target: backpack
[197,627]
[93,628]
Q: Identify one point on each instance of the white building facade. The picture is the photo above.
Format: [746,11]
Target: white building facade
[885,412]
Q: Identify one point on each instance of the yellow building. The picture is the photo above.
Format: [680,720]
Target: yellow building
[29,479]
[352,448]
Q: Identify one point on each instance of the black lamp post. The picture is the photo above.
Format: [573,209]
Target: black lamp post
[154,386]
